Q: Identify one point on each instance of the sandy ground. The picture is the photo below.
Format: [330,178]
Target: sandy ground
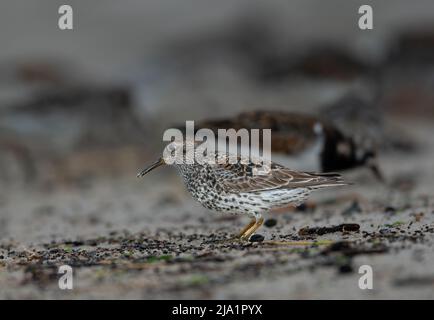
[129,238]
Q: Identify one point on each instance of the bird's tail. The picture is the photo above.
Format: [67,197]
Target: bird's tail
[329,179]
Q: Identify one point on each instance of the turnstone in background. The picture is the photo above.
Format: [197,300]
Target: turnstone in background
[303,142]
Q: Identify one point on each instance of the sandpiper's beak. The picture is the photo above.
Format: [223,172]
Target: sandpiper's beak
[156,164]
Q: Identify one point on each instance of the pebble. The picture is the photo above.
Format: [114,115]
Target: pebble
[390,210]
[269,223]
[257,238]
[346,268]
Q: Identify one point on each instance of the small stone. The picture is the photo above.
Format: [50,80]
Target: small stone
[302,207]
[385,232]
[346,268]
[256,238]
[346,227]
[306,207]
[340,246]
[269,223]
[390,210]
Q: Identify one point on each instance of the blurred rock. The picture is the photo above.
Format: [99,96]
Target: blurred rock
[70,118]
[413,47]
[318,62]
[56,129]
[407,74]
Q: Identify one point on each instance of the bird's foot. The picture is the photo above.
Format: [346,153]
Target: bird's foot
[233,239]
[246,233]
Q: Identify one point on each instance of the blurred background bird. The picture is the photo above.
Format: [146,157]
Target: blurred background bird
[303,142]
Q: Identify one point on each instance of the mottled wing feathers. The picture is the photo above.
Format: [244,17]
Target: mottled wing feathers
[239,177]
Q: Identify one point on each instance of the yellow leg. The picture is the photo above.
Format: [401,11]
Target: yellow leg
[246,235]
[242,232]
[239,236]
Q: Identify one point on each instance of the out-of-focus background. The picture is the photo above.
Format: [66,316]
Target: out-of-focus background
[82,110]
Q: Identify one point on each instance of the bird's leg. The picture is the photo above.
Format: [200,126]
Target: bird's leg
[247,231]
[252,229]
[244,230]
[239,236]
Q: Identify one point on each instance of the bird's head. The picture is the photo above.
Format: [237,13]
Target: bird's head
[175,153]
